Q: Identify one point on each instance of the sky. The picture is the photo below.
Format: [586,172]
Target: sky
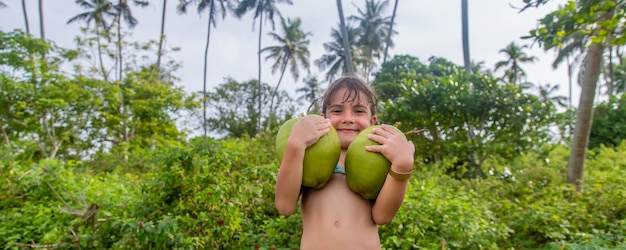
[425,29]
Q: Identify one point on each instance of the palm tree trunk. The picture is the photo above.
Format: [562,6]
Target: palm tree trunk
[593,65]
[25,17]
[464,21]
[41,28]
[282,73]
[206,58]
[162,36]
[393,17]
[611,82]
[104,73]
[119,46]
[258,84]
[346,46]
[569,78]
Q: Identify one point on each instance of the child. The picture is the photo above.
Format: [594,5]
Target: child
[334,217]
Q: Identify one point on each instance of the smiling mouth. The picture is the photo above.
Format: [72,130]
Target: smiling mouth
[347,130]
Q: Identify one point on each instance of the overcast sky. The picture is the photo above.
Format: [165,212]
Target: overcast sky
[425,29]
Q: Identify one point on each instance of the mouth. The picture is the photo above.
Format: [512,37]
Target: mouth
[348,131]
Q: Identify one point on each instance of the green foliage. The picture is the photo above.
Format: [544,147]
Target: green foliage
[609,119]
[233,110]
[219,194]
[468,116]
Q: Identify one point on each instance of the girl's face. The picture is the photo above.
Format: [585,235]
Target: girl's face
[349,117]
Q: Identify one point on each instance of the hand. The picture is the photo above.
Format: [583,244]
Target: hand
[308,130]
[394,147]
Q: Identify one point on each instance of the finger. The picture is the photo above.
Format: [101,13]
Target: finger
[374,148]
[376,137]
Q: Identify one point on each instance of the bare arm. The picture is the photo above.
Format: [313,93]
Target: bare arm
[400,153]
[289,179]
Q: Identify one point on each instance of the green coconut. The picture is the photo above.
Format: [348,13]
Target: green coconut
[366,171]
[320,158]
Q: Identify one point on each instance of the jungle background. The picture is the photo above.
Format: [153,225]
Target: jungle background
[101,150]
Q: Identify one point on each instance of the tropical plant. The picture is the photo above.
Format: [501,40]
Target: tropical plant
[311,93]
[547,94]
[291,51]
[335,60]
[390,31]
[514,57]
[374,28]
[263,9]
[345,41]
[124,12]
[599,18]
[213,12]
[98,11]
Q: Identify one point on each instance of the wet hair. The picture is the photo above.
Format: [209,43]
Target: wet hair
[354,88]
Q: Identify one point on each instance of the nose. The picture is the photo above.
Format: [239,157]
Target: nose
[348,117]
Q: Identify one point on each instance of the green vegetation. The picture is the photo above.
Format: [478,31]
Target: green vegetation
[95,149]
[220,195]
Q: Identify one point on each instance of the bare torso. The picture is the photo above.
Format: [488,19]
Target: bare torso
[334,217]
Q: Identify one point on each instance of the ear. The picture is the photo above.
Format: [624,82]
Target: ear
[374,120]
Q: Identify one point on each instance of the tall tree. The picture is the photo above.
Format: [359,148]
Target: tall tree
[465,31]
[393,18]
[124,12]
[347,52]
[373,35]
[97,12]
[2,5]
[25,17]
[514,57]
[202,6]
[600,18]
[292,50]
[263,9]
[337,56]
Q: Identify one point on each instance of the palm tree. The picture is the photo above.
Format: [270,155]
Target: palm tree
[515,56]
[465,31]
[388,41]
[573,48]
[374,29]
[123,11]
[311,92]
[25,16]
[97,12]
[347,52]
[547,94]
[262,9]
[592,68]
[202,6]
[292,51]
[336,58]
